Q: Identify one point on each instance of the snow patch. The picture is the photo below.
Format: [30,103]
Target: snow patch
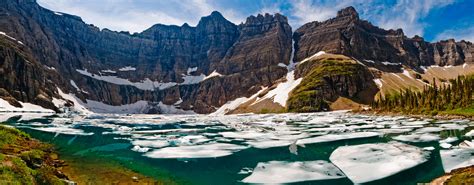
[232,105]
[281,92]
[390,63]
[127,68]
[213,74]
[26,107]
[146,84]
[311,57]
[379,82]
[191,69]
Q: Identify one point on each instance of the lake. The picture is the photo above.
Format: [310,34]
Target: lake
[314,148]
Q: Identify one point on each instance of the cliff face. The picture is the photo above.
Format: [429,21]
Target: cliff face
[348,35]
[195,68]
[23,78]
[161,54]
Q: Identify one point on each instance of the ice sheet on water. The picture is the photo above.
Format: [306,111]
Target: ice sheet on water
[274,172]
[269,143]
[211,150]
[457,158]
[337,137]
[383,160]
[246,135]
[415,138]
[62,130]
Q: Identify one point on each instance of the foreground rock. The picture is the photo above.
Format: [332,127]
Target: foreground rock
[27,161]
[458,176]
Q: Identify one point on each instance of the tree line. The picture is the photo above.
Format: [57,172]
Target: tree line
[433,98]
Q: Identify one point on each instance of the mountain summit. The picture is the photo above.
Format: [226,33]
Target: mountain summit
[48,55]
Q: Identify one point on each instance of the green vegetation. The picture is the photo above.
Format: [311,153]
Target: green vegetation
[24,160]
[462,176]
[453,99]
[308,96]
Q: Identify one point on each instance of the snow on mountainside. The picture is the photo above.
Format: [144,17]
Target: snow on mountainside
[214,64]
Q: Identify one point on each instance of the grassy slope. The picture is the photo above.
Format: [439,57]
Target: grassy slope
[467,112]
[307,96]
[24,160]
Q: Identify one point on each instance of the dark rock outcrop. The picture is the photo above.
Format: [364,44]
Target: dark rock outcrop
[247,56]
[348,35]
[161,53]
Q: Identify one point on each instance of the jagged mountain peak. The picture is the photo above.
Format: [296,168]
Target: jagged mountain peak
[266,18]
[348,12]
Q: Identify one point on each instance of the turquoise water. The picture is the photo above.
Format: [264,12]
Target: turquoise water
[115,137]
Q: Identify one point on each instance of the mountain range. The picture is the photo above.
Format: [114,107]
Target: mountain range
[56,60]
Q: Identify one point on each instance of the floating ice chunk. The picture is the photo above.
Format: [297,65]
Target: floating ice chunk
[429,148]
[453,126]
[337,137]
[466,144]
[457,158]
[394,130]
[369,162]
[289,172]
[429,129]
[470,133]
[416,123]
[246,135]
[269,143]
[245,171]
[140,149]
[449,140]
[211,150]
[151,143]
[417,138]
[62,130]
[445,145]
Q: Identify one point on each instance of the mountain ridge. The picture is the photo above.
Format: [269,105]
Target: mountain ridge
[204,67]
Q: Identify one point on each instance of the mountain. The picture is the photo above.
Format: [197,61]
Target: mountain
[54,60]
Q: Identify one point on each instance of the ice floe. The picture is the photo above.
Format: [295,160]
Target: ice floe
[457,158]
[417,138]
[337,137]
[277,172]
[369,162]
[211,150]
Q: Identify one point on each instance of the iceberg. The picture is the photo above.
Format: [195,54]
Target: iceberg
[274,172]
[369,162]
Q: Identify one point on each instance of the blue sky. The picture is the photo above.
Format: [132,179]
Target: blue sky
[432,19]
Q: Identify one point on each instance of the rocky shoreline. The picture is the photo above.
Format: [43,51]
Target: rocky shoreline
[439,116]
[25,160]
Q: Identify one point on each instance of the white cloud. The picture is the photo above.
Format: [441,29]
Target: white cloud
[133,16]
[405,14]
[458,34]
[408,15]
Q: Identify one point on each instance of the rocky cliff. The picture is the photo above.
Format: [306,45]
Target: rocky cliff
[198,68]
[347,34]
